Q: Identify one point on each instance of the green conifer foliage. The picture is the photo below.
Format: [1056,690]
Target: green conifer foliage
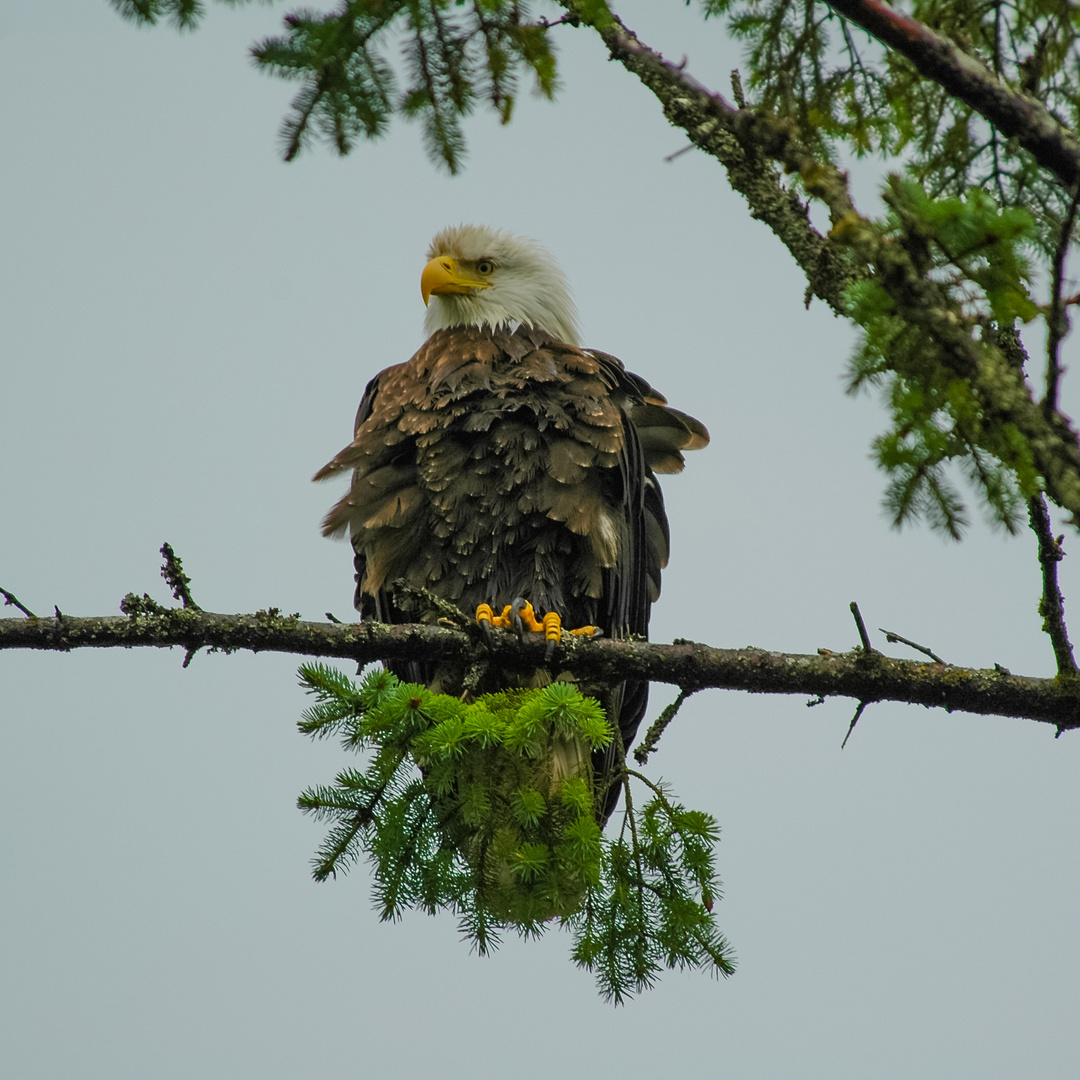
[849,94]
[943,277]
[454,54]
[971,253]
[184,14]
[487,808]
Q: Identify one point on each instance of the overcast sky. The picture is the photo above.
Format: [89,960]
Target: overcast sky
[186,326]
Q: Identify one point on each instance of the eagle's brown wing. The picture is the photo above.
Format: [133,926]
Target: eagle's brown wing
[494,465]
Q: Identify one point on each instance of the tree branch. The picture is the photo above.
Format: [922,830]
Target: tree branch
[1052,604]
[686,664]
[1057,320]
[966,78]
[746,142]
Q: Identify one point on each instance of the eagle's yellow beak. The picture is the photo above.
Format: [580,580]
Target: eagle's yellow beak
[443,275]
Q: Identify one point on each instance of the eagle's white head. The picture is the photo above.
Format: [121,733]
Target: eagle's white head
[479,276]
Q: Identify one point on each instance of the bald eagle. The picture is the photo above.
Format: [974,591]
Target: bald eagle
[505,461]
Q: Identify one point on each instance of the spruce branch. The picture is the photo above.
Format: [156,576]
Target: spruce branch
[476,807]
[454,54]
[749,142]
[184,14]
[744,141]
[963,76]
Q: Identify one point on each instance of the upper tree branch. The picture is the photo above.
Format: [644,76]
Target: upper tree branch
[1058,320]
[747,141]
[687,665]
[744,141]
[966,78]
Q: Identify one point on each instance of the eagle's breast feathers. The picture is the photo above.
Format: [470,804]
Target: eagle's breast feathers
[487,447]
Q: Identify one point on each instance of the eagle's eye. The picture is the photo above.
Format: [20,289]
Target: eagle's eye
[484,266]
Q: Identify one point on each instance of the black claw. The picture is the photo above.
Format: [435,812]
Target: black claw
[515,616]
[549,652]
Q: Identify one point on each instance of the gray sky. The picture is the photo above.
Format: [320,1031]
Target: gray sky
[186,326]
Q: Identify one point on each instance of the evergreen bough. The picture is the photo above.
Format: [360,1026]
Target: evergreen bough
[488,808]
[971,255]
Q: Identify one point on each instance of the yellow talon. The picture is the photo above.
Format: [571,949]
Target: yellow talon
[486,617]
[527,616]
[522,614]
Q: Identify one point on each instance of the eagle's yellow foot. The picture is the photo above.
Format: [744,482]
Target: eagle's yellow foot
[487,618]
[524,617]
[552,622]
[521,616]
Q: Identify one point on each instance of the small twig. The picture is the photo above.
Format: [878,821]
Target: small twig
[679,153]
[654,787]
[475,672]
[400,589]
[1057,320]
[628,815]
[736,89]
[1052,604]
[864,637]
[11,600]
[854,721]
[659,726]
[819,700]
[331,617]
[566,20]
[172,570]
[893,638]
